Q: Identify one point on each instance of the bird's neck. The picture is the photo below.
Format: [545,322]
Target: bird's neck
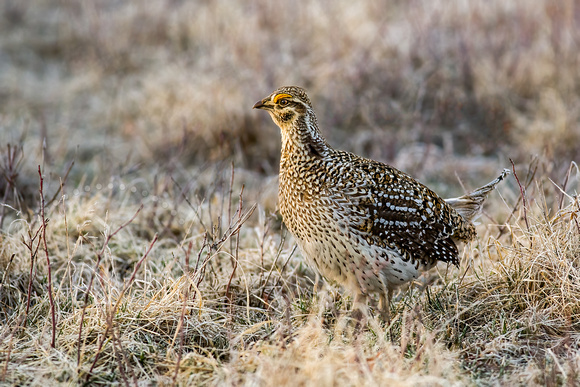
[302,141]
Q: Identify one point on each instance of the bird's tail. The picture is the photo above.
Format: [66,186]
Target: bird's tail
[469,206]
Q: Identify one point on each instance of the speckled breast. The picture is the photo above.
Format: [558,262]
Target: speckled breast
[326,227]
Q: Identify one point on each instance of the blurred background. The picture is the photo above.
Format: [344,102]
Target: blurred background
[442,90]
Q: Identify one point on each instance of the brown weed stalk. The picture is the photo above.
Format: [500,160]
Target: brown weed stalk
[49,272]
[523,194]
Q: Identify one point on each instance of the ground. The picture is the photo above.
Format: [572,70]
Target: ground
[140,242]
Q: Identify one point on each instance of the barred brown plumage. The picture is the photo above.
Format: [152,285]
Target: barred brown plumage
[361,222]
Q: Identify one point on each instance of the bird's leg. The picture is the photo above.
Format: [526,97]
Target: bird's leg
[385,308]
[360,308]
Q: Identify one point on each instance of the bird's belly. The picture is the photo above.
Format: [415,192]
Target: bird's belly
[344,256]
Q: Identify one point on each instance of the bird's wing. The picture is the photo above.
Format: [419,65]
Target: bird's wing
[398,211]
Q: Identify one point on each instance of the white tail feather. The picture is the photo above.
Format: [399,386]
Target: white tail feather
[469,205]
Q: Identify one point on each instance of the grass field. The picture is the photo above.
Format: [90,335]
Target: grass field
[139,238]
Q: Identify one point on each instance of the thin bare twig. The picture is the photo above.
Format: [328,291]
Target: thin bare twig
[278,253]
[235,258]
[564,186]
[33,254]
[187,255]
[181,336]
[126,362]
[203,246]
[282,270]
[10,346]
[230,192]
[529,179]
[232,229]
[11,342]
[523,193]
[266,225]
[195,211]
[119,357]
[62,182]
[9,169]
[3,284]
[49,272]
[201,274]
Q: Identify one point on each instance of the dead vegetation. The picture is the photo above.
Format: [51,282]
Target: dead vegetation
[156,211]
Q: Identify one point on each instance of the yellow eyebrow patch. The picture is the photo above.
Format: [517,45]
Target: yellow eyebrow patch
[278,97]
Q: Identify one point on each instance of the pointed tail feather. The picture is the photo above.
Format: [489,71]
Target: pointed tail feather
[469,206]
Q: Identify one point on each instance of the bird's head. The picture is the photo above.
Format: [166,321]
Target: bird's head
[286,105]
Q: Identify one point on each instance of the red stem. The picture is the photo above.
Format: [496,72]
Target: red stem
[44,221]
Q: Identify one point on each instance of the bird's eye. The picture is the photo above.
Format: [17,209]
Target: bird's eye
[283,102]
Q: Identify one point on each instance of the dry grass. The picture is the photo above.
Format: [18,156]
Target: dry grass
[170,266]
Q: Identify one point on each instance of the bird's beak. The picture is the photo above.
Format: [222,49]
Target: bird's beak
[263,104]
